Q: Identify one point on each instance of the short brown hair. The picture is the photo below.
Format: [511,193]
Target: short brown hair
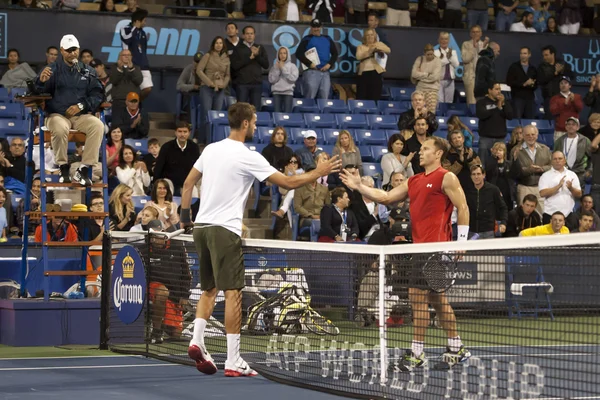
[181,125]
[531,197]
[337,194]
[439,144]
[153,141]
[240,112]
[476,167]
[285,135]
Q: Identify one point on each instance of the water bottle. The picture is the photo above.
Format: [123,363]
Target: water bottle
[76,295]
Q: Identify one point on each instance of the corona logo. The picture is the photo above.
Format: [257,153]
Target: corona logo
[128,267]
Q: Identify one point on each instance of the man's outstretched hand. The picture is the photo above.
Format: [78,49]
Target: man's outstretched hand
[328,167]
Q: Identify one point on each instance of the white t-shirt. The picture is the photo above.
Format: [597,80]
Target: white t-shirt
[570,150]
[520,27]
[228,171]
[563,200]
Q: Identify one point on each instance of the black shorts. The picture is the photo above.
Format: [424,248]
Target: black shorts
[410,271]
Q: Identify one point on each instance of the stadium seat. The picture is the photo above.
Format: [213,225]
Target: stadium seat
[139,202]
[320,120]
[11,110]
[378,152]
[366,137]
[389,107]
[14,92]
[331,135]
[475,139]
[264,134]
[140,145]
[373,170]
[18,127]
[71,147]
[345,121]
[441,134]
[332,106]
[471,122]
[460,93]
[296,135]
[266,104]
[366,155]
[547,139]
[263,118]
[288,120]
[442,122]
[385,93]
[460,109]
[218,118]
[177,200]
[220,132]
[401,93]
[363,107]
[382,121]
[266,88]
[543,125]
[255,146]
[305,106]
[512,124]
[4,96]
[326,148]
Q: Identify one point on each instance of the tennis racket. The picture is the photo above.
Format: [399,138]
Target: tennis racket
[440,271]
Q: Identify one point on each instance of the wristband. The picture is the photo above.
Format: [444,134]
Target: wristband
[463,233]
[185,216]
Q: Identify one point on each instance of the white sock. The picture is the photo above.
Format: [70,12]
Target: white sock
[417,348]
[454,343]
[233,347]
[199,326]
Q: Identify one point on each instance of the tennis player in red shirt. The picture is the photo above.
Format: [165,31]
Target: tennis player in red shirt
[433,194]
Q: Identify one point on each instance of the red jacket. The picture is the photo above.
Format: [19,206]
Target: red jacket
[562,111]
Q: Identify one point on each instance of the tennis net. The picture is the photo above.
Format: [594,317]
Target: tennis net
[338,317]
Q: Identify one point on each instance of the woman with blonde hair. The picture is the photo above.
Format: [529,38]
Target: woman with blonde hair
[592,128]
[373,56]
[347,150]
[455,124]
[426,72]
[120,208]
[515,142]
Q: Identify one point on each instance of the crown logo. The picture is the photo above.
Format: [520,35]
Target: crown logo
[128,266]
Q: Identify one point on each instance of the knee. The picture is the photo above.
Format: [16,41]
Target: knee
[57,126]
[96,126]
[212,293]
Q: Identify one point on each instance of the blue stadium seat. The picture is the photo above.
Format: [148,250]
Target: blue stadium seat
[296,135]
[220,132]
[288,120]
[475,139]
[441,133]
[366,137]
[14,92]
[378,152]
[331,135]
[385,93]
[373,170]
[139,202]
[326,148]
[460,92]
[295,147]
[389,107]
[401,93]
[4,96]
[266,88]
[266,104]
[305,106]
[320,120]
[512,124]
[255,146]
[17,127]
[363,107]
[264,134]
[263,118]
[543,125]
[11,110]
[442,122]
[547,139]
[382,121]
[332,106]
[471,122]
[218,118]
[71,147]
[140,145]
[366,155]
[345,121]
[460,109]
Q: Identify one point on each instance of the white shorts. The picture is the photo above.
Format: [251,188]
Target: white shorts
[147,82]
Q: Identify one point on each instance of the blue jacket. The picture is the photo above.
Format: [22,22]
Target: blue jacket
[325,46]
[136,41]
[70,85]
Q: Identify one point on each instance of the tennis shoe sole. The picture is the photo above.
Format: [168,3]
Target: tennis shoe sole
[232,373]
[204,362]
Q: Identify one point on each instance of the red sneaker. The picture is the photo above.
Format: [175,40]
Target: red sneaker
[204,362]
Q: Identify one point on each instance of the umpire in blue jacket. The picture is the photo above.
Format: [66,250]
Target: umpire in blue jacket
[76,95]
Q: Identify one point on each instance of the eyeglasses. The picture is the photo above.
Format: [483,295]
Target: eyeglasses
[98,204]
[293,162]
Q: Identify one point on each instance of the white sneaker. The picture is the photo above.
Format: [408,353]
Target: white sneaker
[204,362]
[239,368]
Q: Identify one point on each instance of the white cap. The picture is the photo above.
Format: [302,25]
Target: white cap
[310,133]
[69,41]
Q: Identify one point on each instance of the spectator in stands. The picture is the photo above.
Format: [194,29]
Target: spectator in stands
[3,217]
[592,128]
[51,56]
[455,124]
[282,77]
[309,201]
[293,167]
[347,150]
[368,213]
[308,153]
[426,75]
[289,10]
[394,161]
[65,4]
[413,145]
[134,38]
[587,207]
[407,119]
[162,200]
[398,13]
[373,56]
[247,63]
[565,105]
[321,48]
[428,14]
[338,223]
[34,205]
[470,50]
[233,40]
[449,59]
[505,14]
[555,227]
[493,112]
[86,56]
[37,4]
[355,12]
[277,152]
[460,159]
[577,150]
[188,83]
[515,142]
[126,78]
[107,6]
[133,122]
[523,217]
[120,209]
[103,77]
[497,171]
[531,161]
[148,214]
[13,61]
[132,172]
[322,10]
[150,158]
[592,97]
[13,163]
[486,206]
[132,6]
[585,223]
[58,229]
[550,74]
[540,14]
[569,16]
[485,71]
[477,14]
[521,77]
[257,9]
[94,226]
[553,26]
[320,158]
[560,187]
[525,25]
[595,191]
[373,23]
[176,158]
[114,142]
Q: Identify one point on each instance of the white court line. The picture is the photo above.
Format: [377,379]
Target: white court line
[562,398]
[67,357]
[90,367]
[538,355]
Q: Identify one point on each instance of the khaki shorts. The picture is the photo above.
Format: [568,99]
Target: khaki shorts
[221,258]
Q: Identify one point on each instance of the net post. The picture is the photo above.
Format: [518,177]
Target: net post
[382,332]
[105,290]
